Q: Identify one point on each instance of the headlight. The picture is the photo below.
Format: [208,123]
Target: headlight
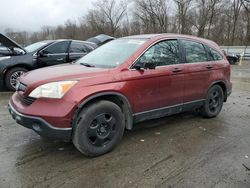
[54,90]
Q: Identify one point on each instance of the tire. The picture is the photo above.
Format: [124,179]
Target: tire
[12,76]
[232,62]
[99,128]
[213,103]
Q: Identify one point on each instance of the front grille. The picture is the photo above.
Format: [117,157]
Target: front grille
[21,88]
[27,100]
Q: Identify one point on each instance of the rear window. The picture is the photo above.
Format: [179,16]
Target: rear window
[77,47]
[214,54]
[195,52]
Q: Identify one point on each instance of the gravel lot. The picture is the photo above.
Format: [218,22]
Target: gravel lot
[178,151]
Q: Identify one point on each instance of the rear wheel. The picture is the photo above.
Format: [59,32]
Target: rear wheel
[214,102]
[12,76]
[99,128]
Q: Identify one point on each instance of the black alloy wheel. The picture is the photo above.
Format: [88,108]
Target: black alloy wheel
[98,128]
[214,102]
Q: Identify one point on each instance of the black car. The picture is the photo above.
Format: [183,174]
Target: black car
[100,39]
[232,58]
[17,60]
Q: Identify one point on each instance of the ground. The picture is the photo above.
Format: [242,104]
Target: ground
[179,151]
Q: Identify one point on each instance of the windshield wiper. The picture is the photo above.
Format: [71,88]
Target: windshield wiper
[87,65]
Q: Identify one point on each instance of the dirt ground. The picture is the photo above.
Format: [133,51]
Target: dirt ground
[178,151]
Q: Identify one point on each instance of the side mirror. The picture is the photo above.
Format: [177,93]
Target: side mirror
[144,65]
[42,53]
[138,66]
[149,65]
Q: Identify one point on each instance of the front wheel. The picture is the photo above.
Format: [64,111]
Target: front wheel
[12,76]
[213,103]
[99,128]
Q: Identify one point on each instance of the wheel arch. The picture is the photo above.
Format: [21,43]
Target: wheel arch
[115,97]
[223,85]
[28,67]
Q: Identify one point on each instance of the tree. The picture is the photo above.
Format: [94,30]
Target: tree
[183,7]
[203,16]
[246,5]
[107,16]
[152,14]
[236,8]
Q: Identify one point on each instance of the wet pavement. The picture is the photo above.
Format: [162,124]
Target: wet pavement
[179,151]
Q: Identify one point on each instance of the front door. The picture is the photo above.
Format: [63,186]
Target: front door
[160,89]
[55,54]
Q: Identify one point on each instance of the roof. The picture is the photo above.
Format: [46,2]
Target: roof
[166,35]
[144,36]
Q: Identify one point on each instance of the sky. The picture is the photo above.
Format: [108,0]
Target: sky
[31,15]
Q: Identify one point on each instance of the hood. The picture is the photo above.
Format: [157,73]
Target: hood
[100,39]
[9,43]
[59,73]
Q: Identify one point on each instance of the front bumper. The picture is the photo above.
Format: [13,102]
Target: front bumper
[40,126]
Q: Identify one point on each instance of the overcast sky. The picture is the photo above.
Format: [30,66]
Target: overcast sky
[31,15]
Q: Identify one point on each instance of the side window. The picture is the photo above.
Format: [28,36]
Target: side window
[162,53]
[89,48]
[59,47]
[78,47]
[195,52]
[215,55]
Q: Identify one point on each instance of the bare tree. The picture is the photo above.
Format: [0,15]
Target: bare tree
[214,6]
[70,30]
[107,16]
[203,16]
[152,14]
[224,21]
[246,4]
[183,7]
[236,8]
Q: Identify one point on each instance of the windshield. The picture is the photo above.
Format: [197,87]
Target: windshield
[112,54]
[36,46]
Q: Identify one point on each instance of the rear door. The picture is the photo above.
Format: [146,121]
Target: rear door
[78,49]
[198,71]
[56,53]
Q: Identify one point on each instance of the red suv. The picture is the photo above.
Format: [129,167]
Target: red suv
[125,81]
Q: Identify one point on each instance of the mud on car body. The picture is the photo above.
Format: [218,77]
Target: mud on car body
[125,81]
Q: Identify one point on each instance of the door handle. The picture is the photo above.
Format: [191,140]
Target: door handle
[175,70]
[59,59]
[209,66]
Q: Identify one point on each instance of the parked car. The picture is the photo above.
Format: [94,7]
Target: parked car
[37,55]
[232,58]
[125,81]
[101,39]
